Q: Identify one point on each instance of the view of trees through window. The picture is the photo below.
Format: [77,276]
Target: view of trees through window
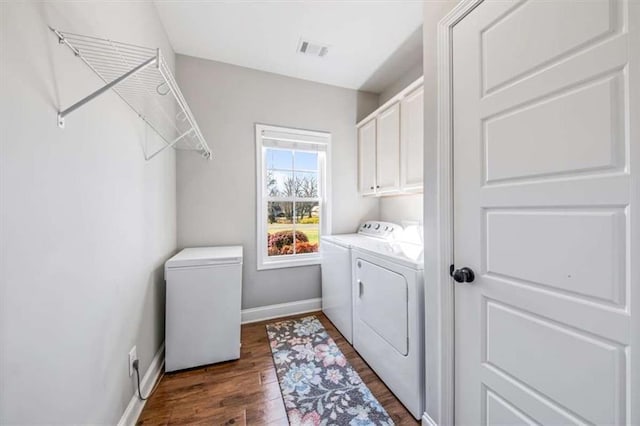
[293,207]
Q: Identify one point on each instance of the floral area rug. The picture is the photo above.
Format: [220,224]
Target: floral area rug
[318,385]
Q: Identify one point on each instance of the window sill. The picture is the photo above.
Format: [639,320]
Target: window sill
[289,263]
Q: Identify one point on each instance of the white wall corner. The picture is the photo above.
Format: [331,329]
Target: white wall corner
[281,310]
[427,420]
[134,409]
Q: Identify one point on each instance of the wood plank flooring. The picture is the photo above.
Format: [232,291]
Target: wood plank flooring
[246,391]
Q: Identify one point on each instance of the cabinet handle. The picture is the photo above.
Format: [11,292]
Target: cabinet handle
[360,288]
[377,187]
[371,187]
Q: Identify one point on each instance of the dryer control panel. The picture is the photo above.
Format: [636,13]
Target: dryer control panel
[383,230]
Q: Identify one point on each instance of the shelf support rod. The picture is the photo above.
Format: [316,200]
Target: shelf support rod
[175,141]
[81,102]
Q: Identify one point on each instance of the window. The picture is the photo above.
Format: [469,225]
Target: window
[292,197]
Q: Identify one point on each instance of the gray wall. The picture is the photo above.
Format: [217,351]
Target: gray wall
[401,207]
[217,199]
[86,223]
[407,78]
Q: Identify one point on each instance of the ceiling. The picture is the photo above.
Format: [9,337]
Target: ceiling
[364,36]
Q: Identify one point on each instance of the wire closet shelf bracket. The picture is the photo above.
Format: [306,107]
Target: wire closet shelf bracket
[141,78]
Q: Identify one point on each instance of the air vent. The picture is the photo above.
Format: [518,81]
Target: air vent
[307,47]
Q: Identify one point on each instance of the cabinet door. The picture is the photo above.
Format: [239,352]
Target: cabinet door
[388,152]
[367,158]
[412,141]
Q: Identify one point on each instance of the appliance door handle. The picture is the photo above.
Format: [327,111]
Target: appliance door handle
[360,288]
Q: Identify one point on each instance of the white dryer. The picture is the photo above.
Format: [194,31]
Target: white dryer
[388,325]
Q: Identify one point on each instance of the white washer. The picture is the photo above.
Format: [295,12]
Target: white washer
[388,325]
[203,297]
[337,278]
[336,284]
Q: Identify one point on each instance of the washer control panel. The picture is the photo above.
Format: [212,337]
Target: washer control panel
[384,230]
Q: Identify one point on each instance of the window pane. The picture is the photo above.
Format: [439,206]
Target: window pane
[279,159]
[280,228]
[306,160]
[307,184]
[280,183]
[307,227]
[293,225]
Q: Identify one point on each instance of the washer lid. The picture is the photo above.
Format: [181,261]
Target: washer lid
[202,256]
[344,240]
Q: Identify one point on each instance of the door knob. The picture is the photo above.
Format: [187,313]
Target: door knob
[462,275]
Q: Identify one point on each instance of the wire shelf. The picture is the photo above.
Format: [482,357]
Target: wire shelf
[141,77]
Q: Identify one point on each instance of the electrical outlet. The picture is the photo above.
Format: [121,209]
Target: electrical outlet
[133,355]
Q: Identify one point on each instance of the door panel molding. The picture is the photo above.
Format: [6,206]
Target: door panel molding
[549,412]
[551,16]
[497,410]
[505,161]
[518,356]
[522,233]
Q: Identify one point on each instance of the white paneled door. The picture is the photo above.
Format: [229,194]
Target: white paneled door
[546,135]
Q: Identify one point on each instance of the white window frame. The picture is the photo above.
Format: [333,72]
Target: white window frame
[298,138]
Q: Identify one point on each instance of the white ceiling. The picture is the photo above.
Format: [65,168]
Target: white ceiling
[363,36]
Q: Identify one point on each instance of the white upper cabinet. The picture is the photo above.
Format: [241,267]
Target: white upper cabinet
[412,141]
[388,150]
[367,158]
[390,145]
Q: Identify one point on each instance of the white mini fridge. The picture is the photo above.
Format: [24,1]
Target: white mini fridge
[203,298]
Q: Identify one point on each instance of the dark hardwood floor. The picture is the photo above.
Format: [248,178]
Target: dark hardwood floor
[246,391]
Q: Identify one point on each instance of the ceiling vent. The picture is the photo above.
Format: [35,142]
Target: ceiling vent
[307,47]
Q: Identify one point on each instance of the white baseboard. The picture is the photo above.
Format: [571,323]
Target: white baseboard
[280,310]
[134,409]
[427,420]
